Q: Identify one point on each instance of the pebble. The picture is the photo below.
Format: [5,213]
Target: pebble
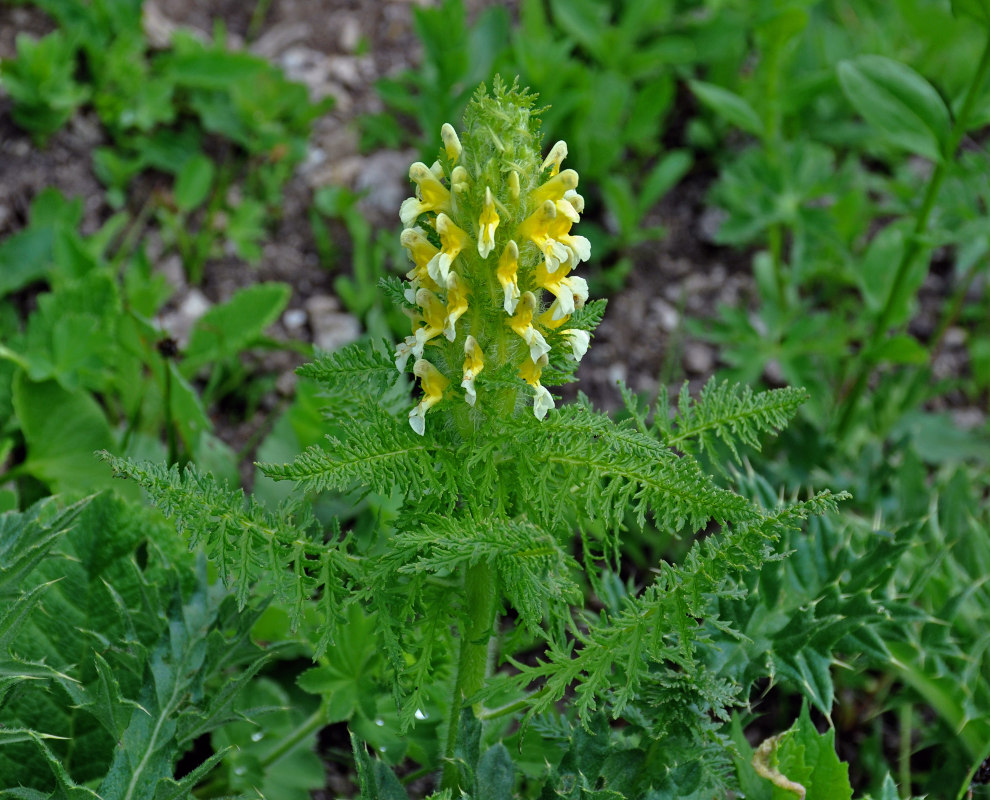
[699,358]
[332,328]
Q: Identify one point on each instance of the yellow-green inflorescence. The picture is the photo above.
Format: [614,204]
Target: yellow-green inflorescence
[489,233]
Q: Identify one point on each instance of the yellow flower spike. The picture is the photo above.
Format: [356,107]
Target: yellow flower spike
[491,219]
[433,384]
[522,324]
[507,274]
[536,228]
[474,362]
[554,158]
[579,341]
[555,188]
[451,142]
[421,251]
[431,195]
[452,241]
[488,222]
[530,372]
[457,304]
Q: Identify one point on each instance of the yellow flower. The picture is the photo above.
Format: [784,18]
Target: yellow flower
[431,195]
[556,155]
[451,143]
[530,372]
[452,241]
[536,228]
[487,225]
[474,362]
[578,246]
[579,341]
[571,291]
[433,384]
[507,274]
[421,251]
[522,324]
[457,304]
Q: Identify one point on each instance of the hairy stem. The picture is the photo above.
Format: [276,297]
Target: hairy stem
[868,360]
[473,660]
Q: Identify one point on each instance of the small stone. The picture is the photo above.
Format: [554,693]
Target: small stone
[331,327]
[699,358]
[294,319]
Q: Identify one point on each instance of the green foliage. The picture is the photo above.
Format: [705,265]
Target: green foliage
[41,81]
[83,371]
[798,763]
[117,653]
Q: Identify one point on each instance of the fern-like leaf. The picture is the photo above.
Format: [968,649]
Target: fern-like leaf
[730,414]
[534,571]
[612,469]
[248,542]
[659,626]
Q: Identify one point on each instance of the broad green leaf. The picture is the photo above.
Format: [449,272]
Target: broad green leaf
[902,349]
[730,106]
[495,774]
[193,183]
[62,430]
[803,748]
[977,9]
[227,329]
[899,103]
[878,265]
[802,760]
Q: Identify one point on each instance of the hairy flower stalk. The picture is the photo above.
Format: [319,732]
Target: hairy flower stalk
[492,292]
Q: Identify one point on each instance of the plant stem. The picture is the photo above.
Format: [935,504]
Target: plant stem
[473,658]
[868,359]
[906,722]
[306,728]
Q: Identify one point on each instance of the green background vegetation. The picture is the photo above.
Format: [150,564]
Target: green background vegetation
[846,146]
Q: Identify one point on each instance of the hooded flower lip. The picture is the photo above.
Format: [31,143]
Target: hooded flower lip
[487,224]
[474,362]
[508,276]
[555,188]
[433,384]
[452,241]
[431,195]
